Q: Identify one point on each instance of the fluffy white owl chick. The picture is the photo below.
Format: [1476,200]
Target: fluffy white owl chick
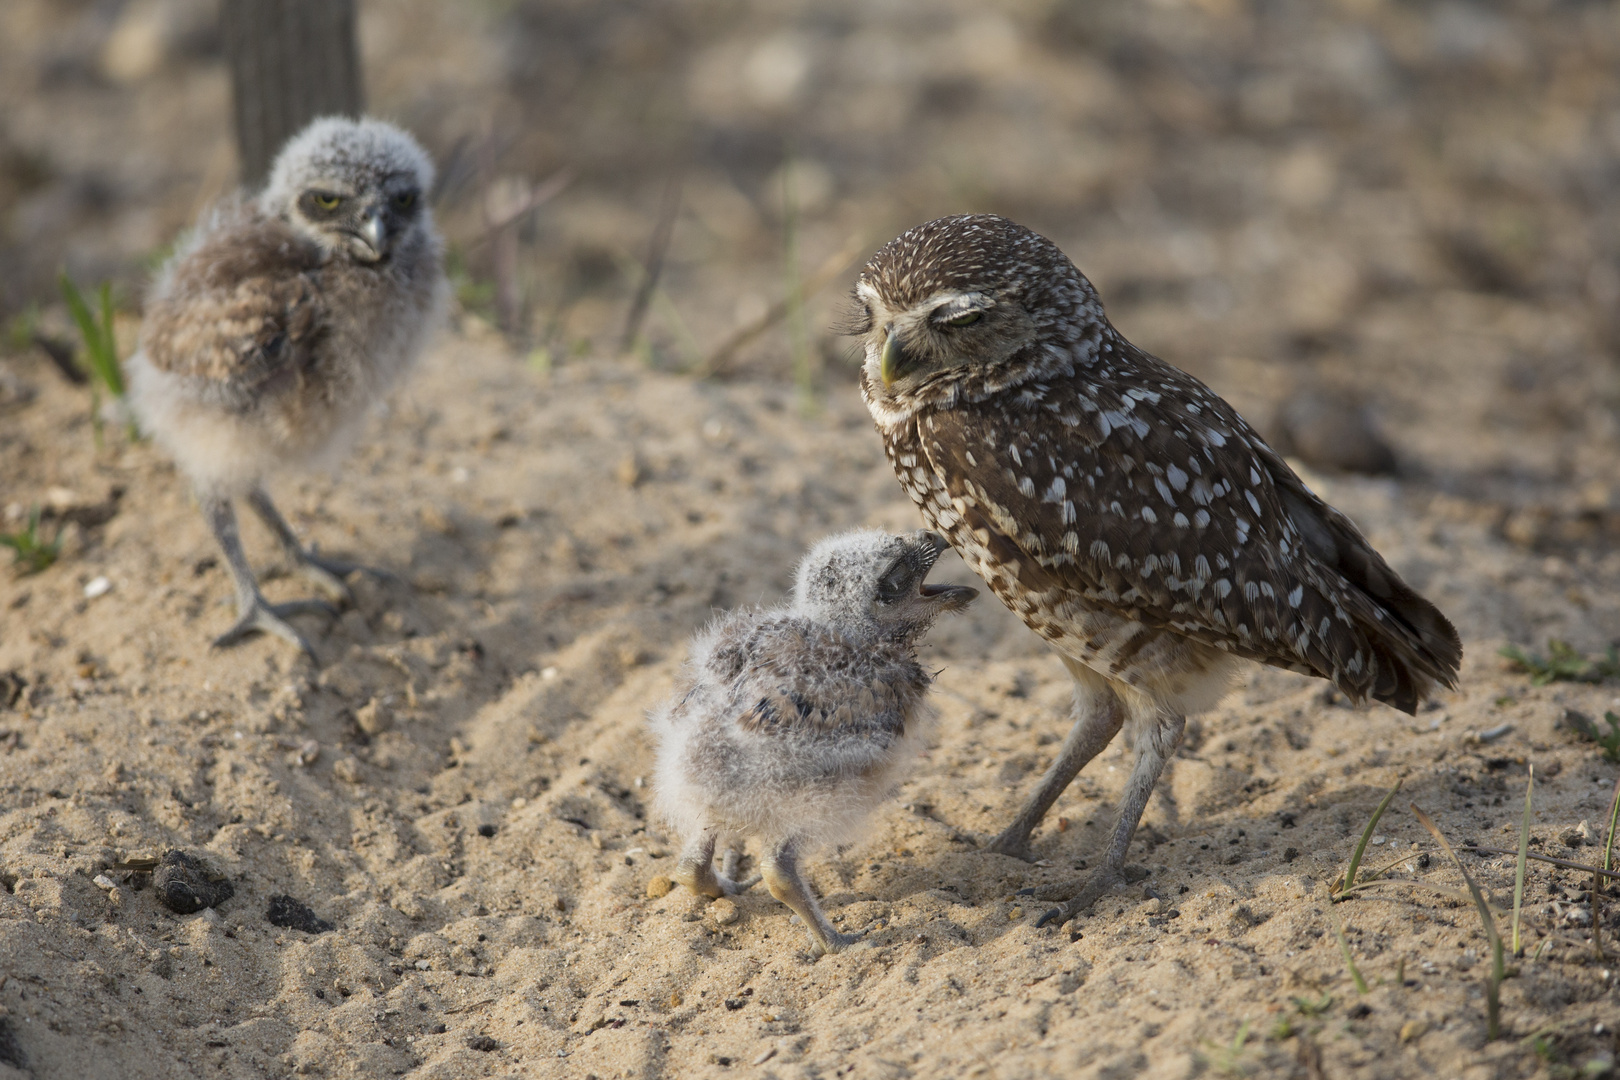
[277,324]
[793,723]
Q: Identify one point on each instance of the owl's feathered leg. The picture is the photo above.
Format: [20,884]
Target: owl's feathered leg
[695,869]
[786,882]
[254,614]
[1099,714]
[327,574]
[1154,748]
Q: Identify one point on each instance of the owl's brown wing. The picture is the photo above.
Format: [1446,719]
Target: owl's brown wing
[802,679]
[1178,516]
[241,310]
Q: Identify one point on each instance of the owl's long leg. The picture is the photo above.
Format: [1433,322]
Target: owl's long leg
[327,574]
[1099,714]
[786,881]
[695,868]
[254,614]
[1154,749]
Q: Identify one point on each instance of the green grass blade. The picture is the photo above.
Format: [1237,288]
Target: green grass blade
[82,318]
[1524,849]
[1614,817]
[1344,947]
[1498,966]
[108,343]
[1366,835]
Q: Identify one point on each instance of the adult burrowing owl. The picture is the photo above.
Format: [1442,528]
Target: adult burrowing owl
[277,324]
[1118,506]
[793,723]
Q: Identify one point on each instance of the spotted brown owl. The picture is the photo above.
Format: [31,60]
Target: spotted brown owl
[1118,506]
[279,322]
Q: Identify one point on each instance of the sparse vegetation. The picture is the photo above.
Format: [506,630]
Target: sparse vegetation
[29,548]
[1585,728]
[1493,984]
[1227,1059]
[1524,849]
[1563,663]
[1307,1007]
[100,347]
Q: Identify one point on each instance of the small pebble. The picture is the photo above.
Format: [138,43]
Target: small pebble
[723,911]
[185,885]
[295,915]
[96,586]
[374,717]
[1413,1029]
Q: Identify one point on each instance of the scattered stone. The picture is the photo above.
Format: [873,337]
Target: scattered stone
[346,769]
[1413,1030]
[185,885]
[295,915]
[307,753]
[658,887]
[374,717]
[486,831]
[630,471]
[723,911]
[482,1043]
[1332,429]
[12,685]
[97,586]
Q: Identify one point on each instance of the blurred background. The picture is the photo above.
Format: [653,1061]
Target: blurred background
[1387,229]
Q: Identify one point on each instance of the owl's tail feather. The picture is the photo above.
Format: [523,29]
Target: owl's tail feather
[1414,647]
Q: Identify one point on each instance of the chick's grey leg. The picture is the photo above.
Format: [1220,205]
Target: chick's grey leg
[254,615]
[327,574]
[1098,716]
[786,882]
[695,868]
[1153,750]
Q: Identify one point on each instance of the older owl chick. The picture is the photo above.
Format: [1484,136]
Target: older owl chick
[1119,507]
[795,722]
[276,325]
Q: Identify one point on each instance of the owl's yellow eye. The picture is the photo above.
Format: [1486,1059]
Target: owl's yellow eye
[967,318]
[405,200]
[327,202]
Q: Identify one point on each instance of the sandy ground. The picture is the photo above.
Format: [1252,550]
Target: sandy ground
[1409,206]
[484,853]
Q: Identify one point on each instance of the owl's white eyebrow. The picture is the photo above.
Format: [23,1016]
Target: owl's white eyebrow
[951,304]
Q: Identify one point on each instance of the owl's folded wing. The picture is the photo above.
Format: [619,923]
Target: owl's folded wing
[1184,526]
[239,311]
[807,680]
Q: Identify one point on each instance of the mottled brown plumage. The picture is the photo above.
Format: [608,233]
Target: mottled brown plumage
[1119,506]
[280,321]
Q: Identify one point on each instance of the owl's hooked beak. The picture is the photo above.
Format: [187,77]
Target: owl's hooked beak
[374,232]
[896,363]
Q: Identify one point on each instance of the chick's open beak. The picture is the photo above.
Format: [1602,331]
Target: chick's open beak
[946,597]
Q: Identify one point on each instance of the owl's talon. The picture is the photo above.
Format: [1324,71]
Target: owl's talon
[833,942]
[264,618]
[736,888]
[1103,880]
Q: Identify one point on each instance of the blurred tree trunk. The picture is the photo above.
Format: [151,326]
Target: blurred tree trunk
[291,61]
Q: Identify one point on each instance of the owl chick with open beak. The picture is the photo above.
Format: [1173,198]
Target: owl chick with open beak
[793,723]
